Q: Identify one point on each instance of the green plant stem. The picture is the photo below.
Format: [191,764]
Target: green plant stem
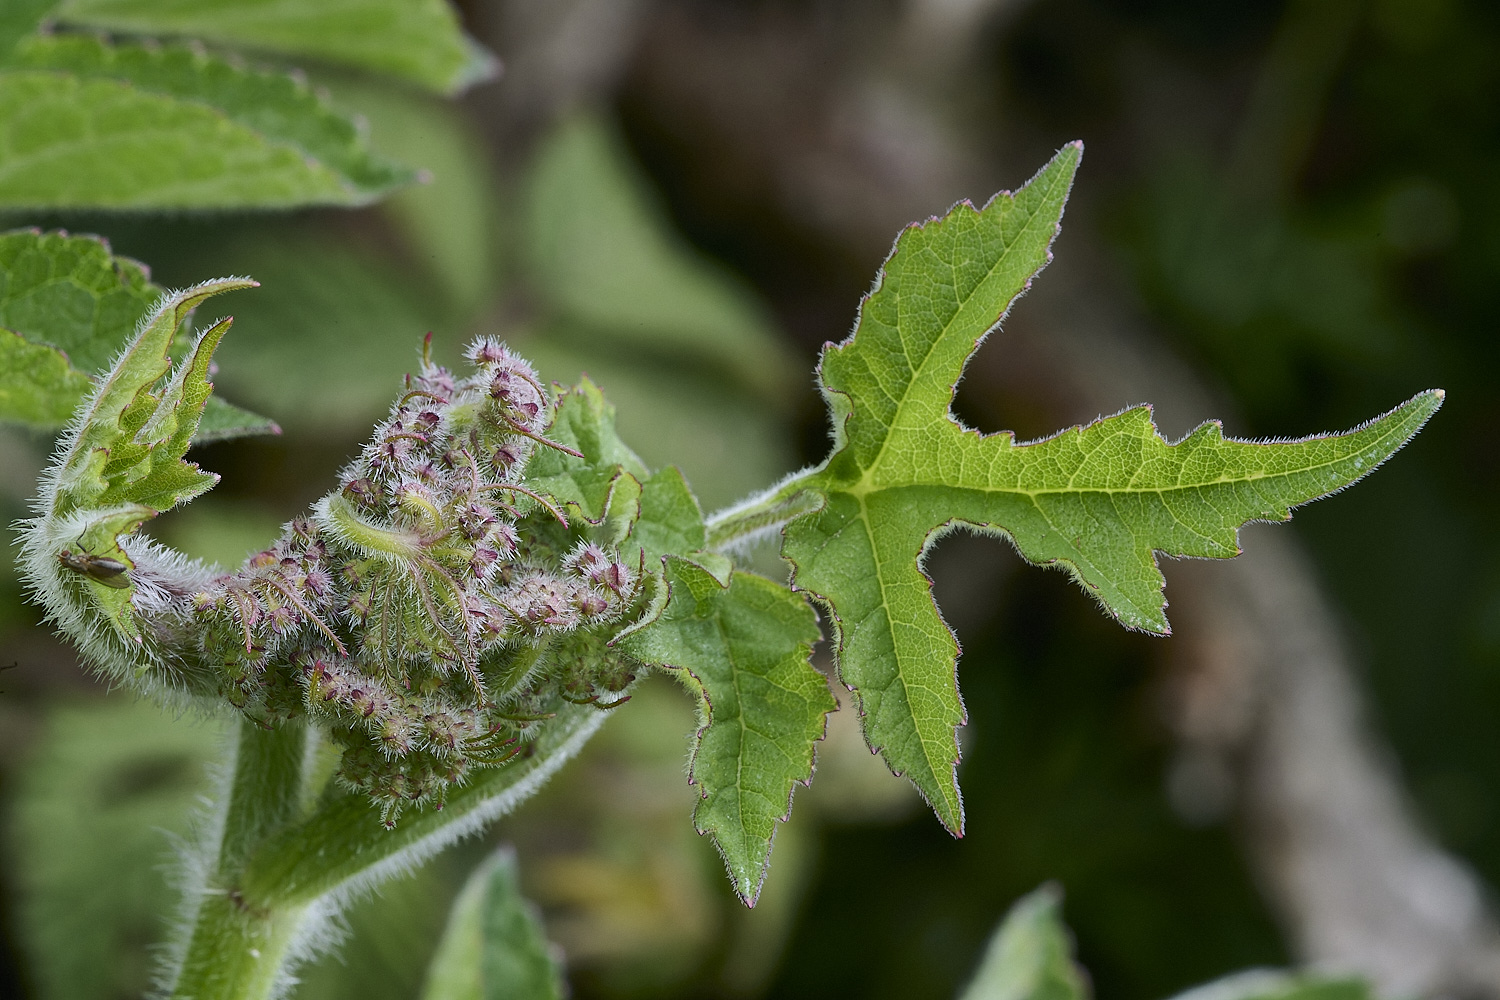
[784,502]
[278,870]
[236,950]
[342,846]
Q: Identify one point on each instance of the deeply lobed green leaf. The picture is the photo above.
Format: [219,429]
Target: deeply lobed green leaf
[1099,501]
[420,41]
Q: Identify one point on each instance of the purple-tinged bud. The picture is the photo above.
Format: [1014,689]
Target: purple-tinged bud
[491,625]
[544,601]
[438,381]
[319,583]
[397,733]
[262,559]
[369,700]
[503,387]
[482,561]
[585,560]
[360,605]
[443,729]
[282,619]
[321,685]
[506,456]
[390,454]
[362,492]
[503,538]
[590,602]
[486,351]
[475,519]
[302,529]
[615,576]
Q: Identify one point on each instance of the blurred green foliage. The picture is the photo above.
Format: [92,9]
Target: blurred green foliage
[107,784]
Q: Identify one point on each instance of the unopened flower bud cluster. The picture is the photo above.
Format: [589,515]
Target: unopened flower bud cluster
[434,608]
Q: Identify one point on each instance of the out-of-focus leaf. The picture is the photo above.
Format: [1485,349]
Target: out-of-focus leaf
[71,293]
[223,421]
[87,845]
[1030,956]
[67,307]
[1100,501]
[494,947]
[1277,984]
[291,353]
[420,41]
[391,938]
[86,124]
[743,648]
[18,18]
[451,221]
[37,386]
[99,143]
[280,108]
[604,259]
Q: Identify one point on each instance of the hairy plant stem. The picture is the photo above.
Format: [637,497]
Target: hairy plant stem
[236,950]
[341,847]
[759,515]
[281,868]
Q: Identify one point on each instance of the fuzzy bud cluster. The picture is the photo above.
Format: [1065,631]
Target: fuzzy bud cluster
[435,608]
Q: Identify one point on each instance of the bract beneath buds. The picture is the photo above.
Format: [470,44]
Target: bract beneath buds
[434,605]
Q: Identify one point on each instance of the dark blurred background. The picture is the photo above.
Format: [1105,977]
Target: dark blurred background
[1288,217]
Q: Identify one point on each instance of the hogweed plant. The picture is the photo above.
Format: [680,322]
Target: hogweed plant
[496,568]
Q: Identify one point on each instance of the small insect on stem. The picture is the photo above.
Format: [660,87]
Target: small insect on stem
[110,572]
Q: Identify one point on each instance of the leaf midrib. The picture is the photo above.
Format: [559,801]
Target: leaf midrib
[885,605]
[866,485]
